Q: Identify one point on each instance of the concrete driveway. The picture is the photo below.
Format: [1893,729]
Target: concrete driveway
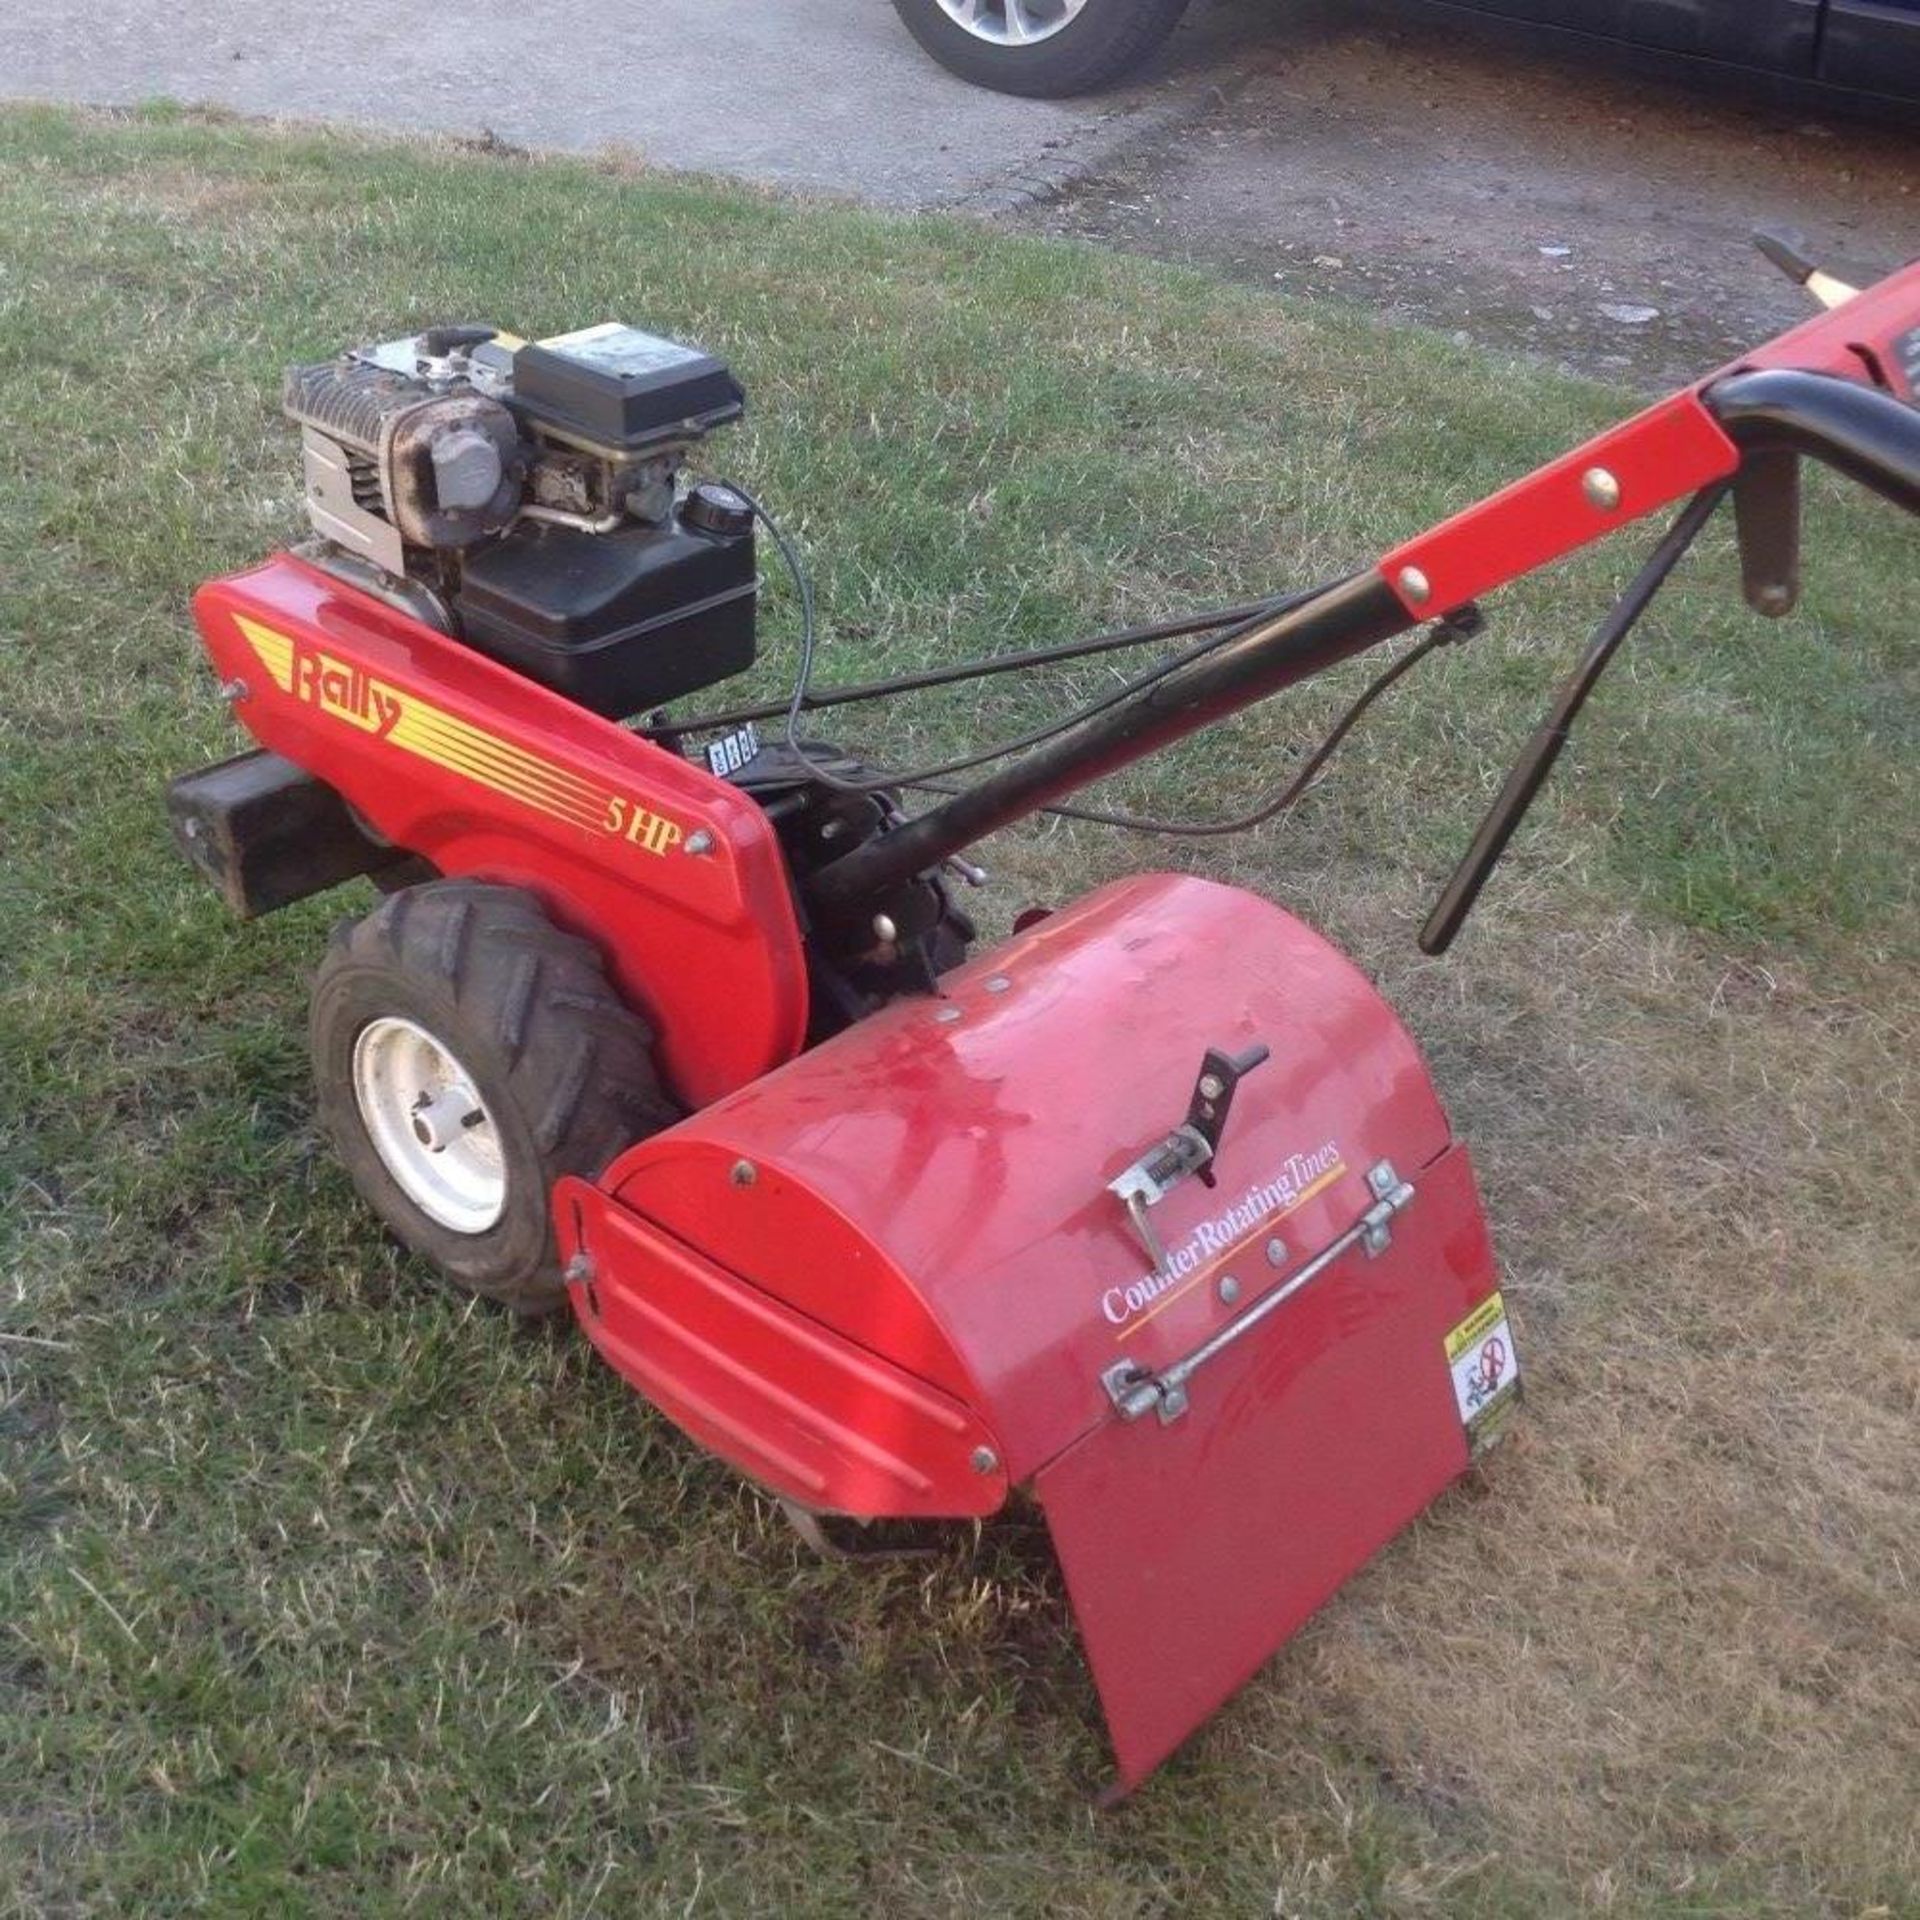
[827,97]
[1534,200]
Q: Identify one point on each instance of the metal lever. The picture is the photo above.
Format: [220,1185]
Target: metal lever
[1136,1390]
[1188,1149]
[1766,510]
[1220,1076]
[1530,771]
[1788,251]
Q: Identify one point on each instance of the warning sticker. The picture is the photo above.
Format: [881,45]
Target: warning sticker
[1486,1371]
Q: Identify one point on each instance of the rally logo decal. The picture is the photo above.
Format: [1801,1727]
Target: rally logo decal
[346,692]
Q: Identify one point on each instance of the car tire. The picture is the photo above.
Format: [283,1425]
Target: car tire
[1105,39]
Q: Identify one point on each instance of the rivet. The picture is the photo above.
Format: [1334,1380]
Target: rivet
[1602,489]
[884,930]
[699,842]
[1276,1252]
[579,1270]
[947,1015]
[999,983]
[232,691]
[1415,585]
[985,1460]
[1212,1086]
[743,1173]
[1229,1288]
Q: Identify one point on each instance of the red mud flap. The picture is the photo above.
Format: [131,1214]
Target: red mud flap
[1195,1545]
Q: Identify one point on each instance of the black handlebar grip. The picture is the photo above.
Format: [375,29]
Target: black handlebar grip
[1863,432]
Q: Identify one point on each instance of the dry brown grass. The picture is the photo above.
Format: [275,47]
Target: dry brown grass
[1682,1620]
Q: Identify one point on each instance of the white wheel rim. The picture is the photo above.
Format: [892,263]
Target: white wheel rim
[1011,23]
[430,1128]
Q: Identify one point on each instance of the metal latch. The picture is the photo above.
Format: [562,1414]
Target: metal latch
[1135,1390]
[1188,1149]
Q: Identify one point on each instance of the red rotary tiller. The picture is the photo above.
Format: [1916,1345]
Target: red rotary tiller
[1152,1210]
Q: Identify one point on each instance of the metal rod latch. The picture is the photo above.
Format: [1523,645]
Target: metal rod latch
[1189,1149]
[1136,1390]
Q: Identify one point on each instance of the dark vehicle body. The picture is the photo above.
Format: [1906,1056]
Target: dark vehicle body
[1865,52]
[1869,47]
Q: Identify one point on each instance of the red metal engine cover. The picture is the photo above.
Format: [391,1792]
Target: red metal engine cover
[454,756]
[889,1277]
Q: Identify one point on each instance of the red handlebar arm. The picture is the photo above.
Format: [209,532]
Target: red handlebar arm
[1862,360]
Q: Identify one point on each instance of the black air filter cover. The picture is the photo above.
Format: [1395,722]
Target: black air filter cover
[616,387]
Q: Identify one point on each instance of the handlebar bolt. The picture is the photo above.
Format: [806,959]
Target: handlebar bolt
[1602,490]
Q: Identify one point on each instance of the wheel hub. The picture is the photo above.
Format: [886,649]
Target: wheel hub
[1012,23]
[429,1126]
[439,1119]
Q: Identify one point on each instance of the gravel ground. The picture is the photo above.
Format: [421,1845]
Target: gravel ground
[1529,196]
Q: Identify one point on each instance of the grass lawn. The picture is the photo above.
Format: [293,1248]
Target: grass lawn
[321,1591]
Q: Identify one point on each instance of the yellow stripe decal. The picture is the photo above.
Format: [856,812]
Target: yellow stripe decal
[511,785]
[275,650]
[427,730]
[346,692]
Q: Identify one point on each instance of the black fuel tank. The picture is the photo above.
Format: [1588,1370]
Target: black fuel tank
[616,621]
